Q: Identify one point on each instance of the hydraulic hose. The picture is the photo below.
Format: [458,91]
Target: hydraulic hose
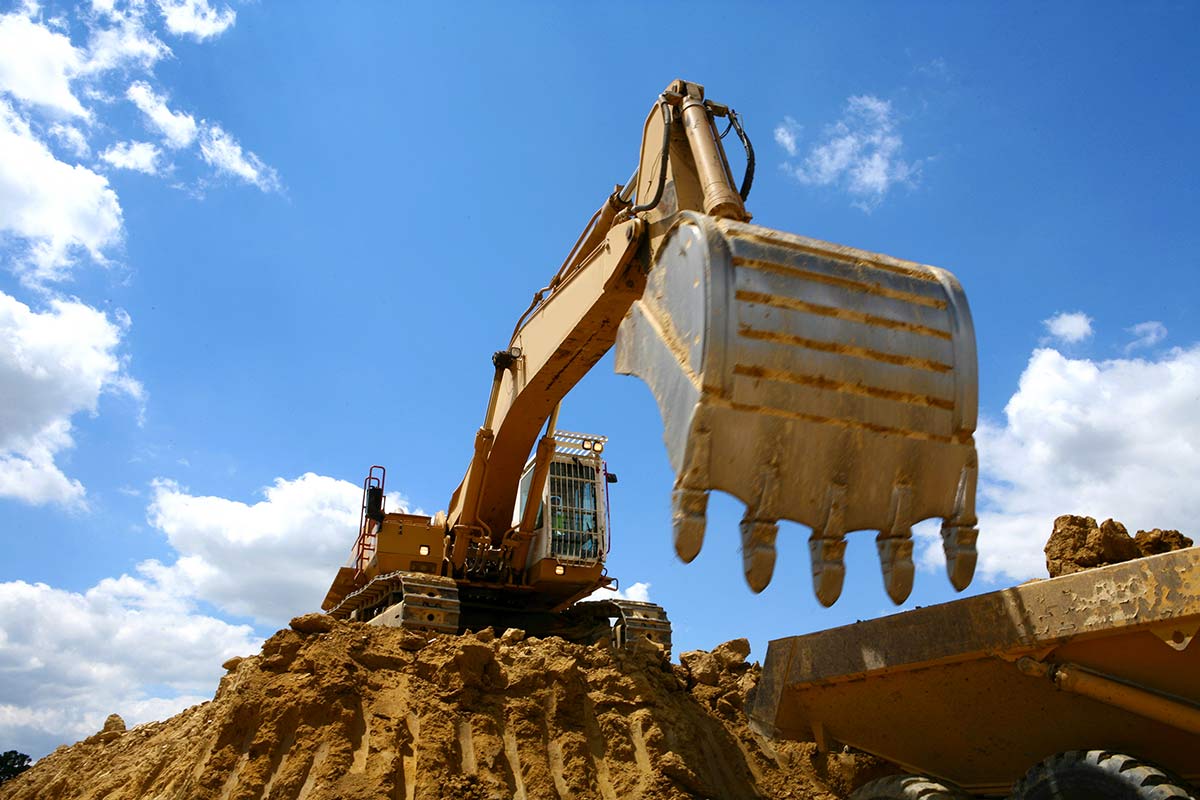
[748,177]
[662,166]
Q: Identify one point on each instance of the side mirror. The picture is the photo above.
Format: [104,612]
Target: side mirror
[610,477]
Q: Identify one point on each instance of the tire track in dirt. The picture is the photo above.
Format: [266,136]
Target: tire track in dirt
[345,711]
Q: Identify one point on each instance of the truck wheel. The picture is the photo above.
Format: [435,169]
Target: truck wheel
[1098,775]
[908,787]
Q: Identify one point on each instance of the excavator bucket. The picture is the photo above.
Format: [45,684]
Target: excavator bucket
[816,383]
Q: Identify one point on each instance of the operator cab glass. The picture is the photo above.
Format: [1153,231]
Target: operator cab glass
[572,514]
[574,520]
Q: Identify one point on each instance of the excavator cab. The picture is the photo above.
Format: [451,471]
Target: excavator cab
[572,520]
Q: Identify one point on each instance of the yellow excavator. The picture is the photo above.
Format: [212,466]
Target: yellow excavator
[815,382]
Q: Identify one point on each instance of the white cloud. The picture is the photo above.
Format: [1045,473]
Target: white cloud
[1071,327]
[785,135]
[139,156]
[860,153]
[55,208]
[1146,334]
[178,129]
[270,560]
[72,138]
[133,645]
[218,149]
[139,645]
[53,365]
[936,67]
[196,18]
[1117,438]
[221,151]
[38,64]
[126,42]
[639,592]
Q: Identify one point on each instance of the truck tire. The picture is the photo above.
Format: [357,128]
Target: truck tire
[1099,775]
[908,787]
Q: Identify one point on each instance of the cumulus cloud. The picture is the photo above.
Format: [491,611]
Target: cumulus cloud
[1116,438]
[196,18]
[217,147]
[785,135]
[303,527]
[52,212]
[223,152]
[55,208]
[177,128]
[71,138]
[124,41]
[1070,327]
[143,645]
[138,156]
[133,645]
[859,154]
[1146,334]
[54,365]
[639,592]
[38,64]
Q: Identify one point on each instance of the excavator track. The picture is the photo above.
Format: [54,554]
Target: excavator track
[411,600]
[416,601]
[641,621]
[633,620]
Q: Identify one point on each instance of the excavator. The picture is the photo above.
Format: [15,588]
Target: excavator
[816,383]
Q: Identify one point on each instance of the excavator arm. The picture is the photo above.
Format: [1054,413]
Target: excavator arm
[815,382]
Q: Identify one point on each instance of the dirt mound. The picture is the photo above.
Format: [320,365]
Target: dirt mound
[345,710]
[1157,541]
[1078,543]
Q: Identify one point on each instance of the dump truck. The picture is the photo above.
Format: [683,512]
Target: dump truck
[1080,687]
[814,382]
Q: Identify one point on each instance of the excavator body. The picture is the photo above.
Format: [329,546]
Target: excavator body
[817,383]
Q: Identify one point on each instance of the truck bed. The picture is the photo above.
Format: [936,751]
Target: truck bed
[953,690]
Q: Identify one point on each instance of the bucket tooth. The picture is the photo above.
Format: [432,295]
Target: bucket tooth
[758,550]
[759,527]
[689,499]
[827,547]
[688,510]
[828,568]
[959,532]
[895,546]
[958,542]
[896,557]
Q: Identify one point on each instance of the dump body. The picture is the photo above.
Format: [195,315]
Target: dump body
[977,690]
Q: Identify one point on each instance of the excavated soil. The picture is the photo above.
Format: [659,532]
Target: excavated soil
[1078,543]
[344,710]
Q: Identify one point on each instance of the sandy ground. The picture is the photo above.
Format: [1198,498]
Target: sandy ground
[344,710]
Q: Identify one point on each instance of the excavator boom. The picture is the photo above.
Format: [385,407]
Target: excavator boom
[815,382]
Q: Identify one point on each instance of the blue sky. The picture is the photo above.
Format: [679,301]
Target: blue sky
[249,249]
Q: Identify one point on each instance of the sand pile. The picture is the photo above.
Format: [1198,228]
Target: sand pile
[1078,543]
[345,710]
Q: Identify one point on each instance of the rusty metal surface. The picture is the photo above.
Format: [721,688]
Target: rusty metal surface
[816,383]
[938,691]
